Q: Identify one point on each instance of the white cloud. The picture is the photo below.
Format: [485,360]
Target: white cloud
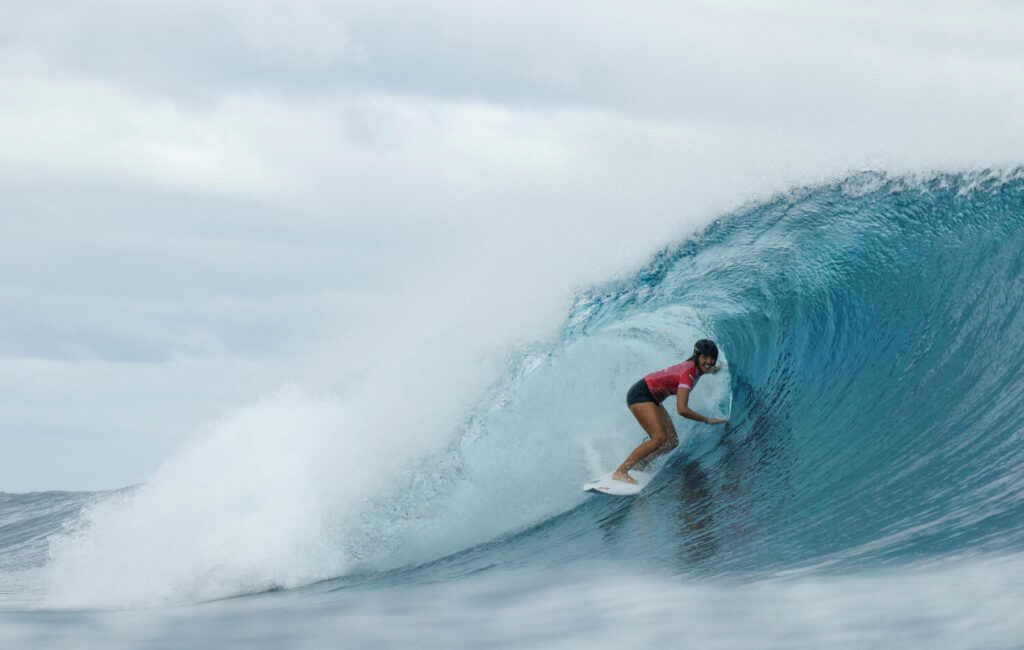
[88,131]
[310,31]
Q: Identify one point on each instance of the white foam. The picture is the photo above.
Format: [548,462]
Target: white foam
[301,487]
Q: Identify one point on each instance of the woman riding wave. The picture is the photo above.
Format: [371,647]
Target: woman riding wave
[645,398]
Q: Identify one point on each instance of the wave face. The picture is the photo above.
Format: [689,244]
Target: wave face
[873,332]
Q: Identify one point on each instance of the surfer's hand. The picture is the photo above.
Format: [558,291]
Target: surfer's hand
[716,421]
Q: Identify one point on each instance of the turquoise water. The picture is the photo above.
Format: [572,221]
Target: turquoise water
[867,491]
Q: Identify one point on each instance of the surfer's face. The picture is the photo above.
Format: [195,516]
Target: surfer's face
[706,363]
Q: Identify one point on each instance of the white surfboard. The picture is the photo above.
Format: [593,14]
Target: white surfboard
[607,485]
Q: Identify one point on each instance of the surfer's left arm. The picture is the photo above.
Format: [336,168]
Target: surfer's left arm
[683,406]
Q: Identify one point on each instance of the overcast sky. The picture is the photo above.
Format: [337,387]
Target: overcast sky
[201,202]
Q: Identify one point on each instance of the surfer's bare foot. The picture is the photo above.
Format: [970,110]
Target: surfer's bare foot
[619,475]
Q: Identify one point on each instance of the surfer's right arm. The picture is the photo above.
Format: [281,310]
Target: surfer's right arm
[683,406]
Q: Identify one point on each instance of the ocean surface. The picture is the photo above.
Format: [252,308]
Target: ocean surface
[868,491]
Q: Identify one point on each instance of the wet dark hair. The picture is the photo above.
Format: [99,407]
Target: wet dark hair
[706,347]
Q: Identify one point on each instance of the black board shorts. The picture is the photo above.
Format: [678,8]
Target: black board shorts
[639,393]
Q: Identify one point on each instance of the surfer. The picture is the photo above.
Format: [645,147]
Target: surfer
[645,398]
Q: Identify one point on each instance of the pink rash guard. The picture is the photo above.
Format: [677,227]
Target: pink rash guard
[668,381]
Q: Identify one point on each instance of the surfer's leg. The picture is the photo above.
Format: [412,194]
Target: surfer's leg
[672,439]
[647,414]
[671,442]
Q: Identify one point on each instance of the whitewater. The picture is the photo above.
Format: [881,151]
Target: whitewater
[867,491]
